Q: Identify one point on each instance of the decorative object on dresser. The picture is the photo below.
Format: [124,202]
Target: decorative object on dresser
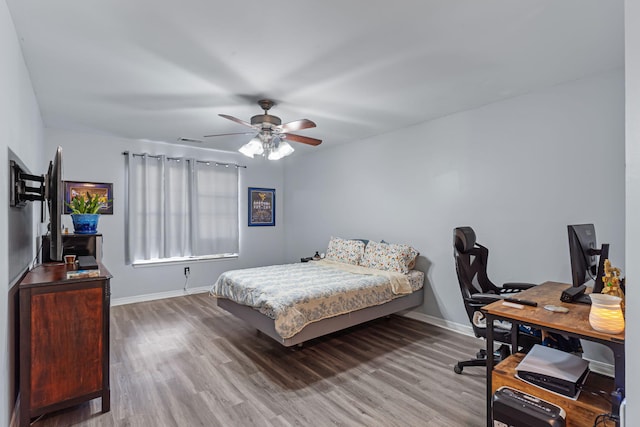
[85,212]
[64,340]
[85,223]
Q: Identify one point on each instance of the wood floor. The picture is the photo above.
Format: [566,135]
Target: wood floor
[184,362]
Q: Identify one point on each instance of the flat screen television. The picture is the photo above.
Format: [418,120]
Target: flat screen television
[587,259]
[54,188]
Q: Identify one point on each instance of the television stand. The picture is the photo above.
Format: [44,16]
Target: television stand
[75,244]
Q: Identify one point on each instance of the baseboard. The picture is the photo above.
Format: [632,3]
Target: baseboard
[159,295]
[441,323]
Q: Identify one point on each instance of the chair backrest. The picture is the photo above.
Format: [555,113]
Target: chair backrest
[471,268]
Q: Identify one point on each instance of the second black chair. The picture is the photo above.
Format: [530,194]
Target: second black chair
[477,291]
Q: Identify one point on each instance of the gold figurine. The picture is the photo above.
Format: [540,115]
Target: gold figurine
[611,280]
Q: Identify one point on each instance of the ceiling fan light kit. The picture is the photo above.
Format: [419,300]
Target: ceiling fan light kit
[272,147]
[252,148]
[282,150]
[270,134]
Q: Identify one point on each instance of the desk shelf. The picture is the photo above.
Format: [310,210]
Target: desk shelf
[580,412]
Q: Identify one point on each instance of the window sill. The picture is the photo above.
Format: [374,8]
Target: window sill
[183,260]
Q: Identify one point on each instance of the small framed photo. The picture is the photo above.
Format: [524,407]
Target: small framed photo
[262,206]
[103,190]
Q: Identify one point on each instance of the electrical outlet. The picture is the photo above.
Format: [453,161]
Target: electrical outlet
[187,271]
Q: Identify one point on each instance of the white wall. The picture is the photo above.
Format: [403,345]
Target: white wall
[20,131]
[97,158]
[632,92]
[518,171]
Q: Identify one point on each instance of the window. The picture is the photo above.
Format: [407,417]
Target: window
[179,209]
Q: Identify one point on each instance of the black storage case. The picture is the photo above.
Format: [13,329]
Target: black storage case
[513,408]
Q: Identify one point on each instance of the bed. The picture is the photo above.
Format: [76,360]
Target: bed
[294,303]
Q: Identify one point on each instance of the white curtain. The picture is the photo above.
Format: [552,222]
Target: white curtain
[179,208]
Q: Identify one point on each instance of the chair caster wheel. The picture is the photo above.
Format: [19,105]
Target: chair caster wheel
[482,354]
[457,369]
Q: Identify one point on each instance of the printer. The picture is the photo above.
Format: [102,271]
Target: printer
[553,370]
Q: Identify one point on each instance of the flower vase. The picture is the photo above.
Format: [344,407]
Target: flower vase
[85,223]
[606,314]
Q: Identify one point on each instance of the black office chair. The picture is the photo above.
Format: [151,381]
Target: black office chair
[478,291]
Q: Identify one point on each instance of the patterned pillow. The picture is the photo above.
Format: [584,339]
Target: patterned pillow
[347,251]
[389,257]
[411,265]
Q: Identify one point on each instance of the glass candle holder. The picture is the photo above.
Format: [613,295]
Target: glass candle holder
[606,314]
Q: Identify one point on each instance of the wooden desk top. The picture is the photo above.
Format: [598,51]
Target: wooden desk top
[55,273]
[576,321]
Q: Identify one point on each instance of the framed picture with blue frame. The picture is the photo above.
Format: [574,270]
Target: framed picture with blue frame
[262,207]
[83,189]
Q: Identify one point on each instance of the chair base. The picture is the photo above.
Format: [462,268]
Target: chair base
[481,358]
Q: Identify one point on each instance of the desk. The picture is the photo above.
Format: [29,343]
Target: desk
[575,324]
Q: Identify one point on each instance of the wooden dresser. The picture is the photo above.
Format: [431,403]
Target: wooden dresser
[64,340]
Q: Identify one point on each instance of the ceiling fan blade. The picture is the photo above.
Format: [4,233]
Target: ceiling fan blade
[235,119]
[233,133]
[302,139]
[297,125]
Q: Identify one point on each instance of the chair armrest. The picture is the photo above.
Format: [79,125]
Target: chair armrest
[485,298]
[517,286]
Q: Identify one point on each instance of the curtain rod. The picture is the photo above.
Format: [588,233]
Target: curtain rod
[155,156]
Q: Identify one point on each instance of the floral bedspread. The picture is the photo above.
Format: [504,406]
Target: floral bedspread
[295,295]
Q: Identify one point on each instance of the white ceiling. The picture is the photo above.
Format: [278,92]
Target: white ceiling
[162,69]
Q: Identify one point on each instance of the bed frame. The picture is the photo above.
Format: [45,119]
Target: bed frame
[317,329]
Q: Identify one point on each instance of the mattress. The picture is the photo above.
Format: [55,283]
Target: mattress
[295,295]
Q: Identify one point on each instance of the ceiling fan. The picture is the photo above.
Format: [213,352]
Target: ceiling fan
[270,135]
